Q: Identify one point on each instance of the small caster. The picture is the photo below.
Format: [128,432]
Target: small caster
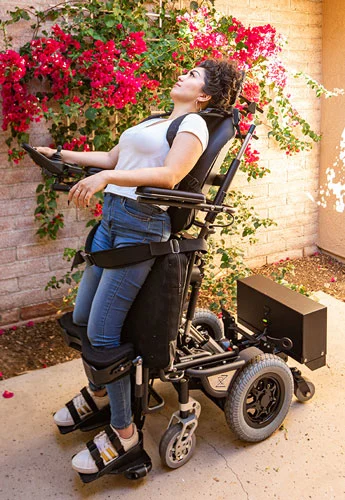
[175,450]
[304,389]
[304,395]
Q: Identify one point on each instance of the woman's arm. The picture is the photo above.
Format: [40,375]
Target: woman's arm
[183,155]
[100,159]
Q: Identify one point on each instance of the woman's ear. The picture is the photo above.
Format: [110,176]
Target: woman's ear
[204,98]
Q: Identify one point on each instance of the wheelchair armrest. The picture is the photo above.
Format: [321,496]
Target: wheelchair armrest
[92,170]
[166,195]
[53,167]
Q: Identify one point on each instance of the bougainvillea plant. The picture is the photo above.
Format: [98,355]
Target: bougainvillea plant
[92,69]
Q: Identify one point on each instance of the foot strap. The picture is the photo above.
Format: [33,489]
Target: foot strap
[74,413]
[90,402]
[94,451]
[88,398]
[95,455]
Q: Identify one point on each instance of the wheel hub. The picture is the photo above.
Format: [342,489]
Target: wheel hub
[263,400]
[180,450]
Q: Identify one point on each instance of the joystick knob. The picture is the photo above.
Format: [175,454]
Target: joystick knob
[57,156]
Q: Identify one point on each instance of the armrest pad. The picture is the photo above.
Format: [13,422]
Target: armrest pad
[170,195]
[54,167]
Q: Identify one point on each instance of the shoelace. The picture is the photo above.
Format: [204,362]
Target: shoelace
[105,448]
[81,406]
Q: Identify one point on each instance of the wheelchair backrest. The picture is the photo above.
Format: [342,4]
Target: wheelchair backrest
[221,127]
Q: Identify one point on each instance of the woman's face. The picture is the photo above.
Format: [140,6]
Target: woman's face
[189,86]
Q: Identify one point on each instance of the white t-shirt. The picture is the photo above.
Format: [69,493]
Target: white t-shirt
[145,145]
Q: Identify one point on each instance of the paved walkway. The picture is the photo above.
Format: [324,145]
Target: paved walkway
[306,460]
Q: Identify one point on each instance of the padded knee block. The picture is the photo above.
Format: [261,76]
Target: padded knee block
[103,365]
[134,464]
[72,334]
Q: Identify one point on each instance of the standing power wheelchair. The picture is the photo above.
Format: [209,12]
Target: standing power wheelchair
[242,369]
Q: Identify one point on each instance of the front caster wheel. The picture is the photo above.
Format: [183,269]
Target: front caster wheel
[174,452]
[260,398]
[303,397]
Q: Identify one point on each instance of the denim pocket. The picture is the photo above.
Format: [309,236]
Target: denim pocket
[140,211]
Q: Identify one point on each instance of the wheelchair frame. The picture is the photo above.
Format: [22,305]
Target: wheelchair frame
[242,370]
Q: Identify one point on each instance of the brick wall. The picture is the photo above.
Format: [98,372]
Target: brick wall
[26,262]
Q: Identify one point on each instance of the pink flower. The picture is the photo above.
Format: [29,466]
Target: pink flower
[1,374]
[14,327]
[333,279]
[2,332]
[7,394]
[30,323]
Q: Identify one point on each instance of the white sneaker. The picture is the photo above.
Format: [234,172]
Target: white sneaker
[84,463]
[64,418]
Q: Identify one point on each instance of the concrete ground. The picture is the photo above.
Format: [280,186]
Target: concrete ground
[304,460]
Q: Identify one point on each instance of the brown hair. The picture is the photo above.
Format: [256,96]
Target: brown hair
[223,81]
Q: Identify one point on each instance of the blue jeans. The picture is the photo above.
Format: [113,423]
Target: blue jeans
[106,295]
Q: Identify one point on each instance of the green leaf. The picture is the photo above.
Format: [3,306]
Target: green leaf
[110,22]
[91,113]
[99,141]
[25,15]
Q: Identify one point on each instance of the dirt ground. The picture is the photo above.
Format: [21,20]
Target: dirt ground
[38,345]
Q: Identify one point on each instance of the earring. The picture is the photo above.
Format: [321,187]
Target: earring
[198,106]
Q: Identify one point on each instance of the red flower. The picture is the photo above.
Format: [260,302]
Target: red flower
[98,210]
[7,394]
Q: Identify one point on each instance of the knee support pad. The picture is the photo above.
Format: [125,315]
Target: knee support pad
[105,365]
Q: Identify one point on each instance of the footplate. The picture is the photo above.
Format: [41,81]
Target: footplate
[93,421]
[134,464]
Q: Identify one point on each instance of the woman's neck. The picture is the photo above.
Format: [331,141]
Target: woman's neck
[182,109]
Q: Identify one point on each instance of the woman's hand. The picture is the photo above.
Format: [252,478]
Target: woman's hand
[82,192]
[48,152]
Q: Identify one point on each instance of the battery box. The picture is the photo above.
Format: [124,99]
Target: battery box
[261,302]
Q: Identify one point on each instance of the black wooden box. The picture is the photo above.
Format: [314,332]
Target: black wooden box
[261,302]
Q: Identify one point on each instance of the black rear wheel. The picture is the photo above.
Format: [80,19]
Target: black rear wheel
[207,322]
[260,398]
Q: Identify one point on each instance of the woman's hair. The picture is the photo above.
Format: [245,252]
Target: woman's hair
[223,81]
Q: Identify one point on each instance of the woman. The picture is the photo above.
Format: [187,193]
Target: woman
[142,158]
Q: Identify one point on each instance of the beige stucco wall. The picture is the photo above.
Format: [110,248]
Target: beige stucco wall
[332,172]
[289,193]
